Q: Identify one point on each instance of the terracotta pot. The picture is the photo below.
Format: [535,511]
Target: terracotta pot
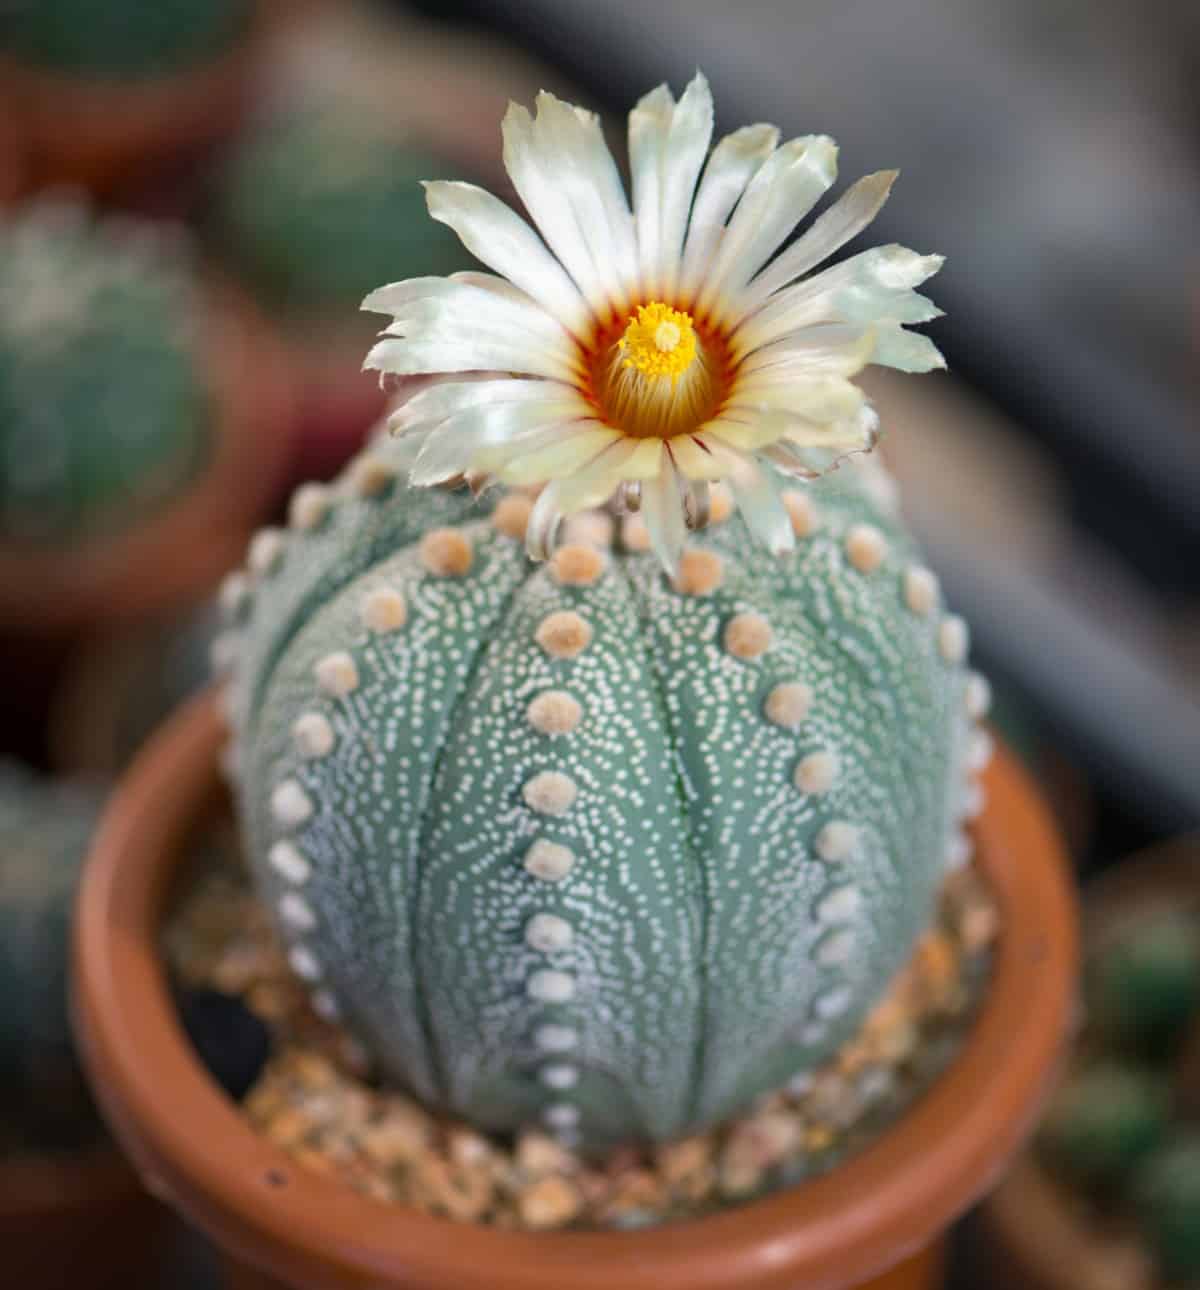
[72,1222]
[181,551]
[1041,1235]
[108,135]
[880,1209]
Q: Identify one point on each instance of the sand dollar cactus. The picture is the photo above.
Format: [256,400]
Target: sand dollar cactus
[616,840]
[578,842]
[104,407]
[122,39]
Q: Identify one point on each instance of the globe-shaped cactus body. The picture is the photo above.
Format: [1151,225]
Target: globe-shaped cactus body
[44,832]
[1143,988]
[120,39]
[104,411]
[1105,1120]
[1168,1198]
[320,203]
[571,843]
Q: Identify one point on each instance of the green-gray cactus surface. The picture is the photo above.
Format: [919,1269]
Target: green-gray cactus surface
[104,410]
[44,833]
[120,39]
[569,842]
[320,203]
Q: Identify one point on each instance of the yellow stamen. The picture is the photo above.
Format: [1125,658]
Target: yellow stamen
[659,342]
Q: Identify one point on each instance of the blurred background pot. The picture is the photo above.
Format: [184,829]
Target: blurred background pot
[876,1216]
[72,1212]
[72,1222]
[102,95]
[178,551]
[1114,1124]
[319,199]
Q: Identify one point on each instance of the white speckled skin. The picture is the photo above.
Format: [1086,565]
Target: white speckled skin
[705,946]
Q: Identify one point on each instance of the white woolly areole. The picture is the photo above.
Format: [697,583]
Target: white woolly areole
[559,1076]
[296,912]
[265,552]
[285,858]
[554,712]
[384,610]
[550,792]
[817,772]
[839,904]
[290,804]
[313,735]
[304,963]
[553,1038]
[953,639]
[977,696]
[837,840]
[549,986]
[549,861]
[548,933]
[921,591]
[308,507]
[788,704]
[336,674]
[865,547]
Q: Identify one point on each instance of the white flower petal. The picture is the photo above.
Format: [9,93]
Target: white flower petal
[694,459]
[814,396]
[454,446]
[567,453]
[733,163]
[907,351]
[496,235]
[835,349]
[662,511]
[873,286]
[686,147]
[457,353]
[751,434]
[599,479]
[459,308]
[493,282]
[437,402]
[649,125]
[552,172]
[846,218]
[787,186]
[758,500]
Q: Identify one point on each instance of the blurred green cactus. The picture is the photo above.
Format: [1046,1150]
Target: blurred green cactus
[1104,1120]
[104,413]
[1143,986]
[120,39]
[322,202]
[44,832]
[1168,1201]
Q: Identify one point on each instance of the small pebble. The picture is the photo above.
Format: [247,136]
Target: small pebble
[548,1203]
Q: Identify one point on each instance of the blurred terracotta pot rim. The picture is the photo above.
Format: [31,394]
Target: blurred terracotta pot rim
[880,1207]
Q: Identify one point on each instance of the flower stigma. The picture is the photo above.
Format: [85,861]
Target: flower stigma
[661,377]
[660,342]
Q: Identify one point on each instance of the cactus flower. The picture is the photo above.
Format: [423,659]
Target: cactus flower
[652,348]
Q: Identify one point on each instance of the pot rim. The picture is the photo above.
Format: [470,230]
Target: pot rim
[184,547]
[195,1149]
[101,132]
